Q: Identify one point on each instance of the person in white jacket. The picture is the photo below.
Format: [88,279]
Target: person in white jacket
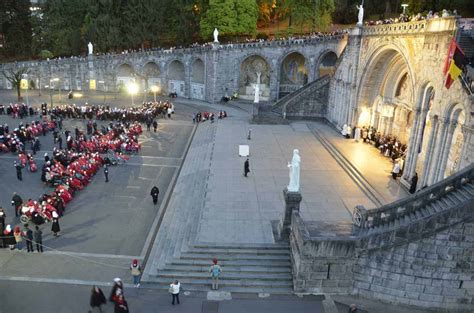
[174,290]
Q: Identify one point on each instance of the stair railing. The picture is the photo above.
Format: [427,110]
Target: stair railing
[370,218]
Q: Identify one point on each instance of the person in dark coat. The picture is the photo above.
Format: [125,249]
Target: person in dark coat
[414,181]
[55,226]
[117,290]
[154,194]
[29,239]
[18,171]
[155,126]
[106,173]
[38,235]
[97,298]
[17,202]
[246,167]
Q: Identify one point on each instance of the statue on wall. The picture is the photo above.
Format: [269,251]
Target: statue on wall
[216,35]
[257,89]
[294,167]
[90,47]
[361,14]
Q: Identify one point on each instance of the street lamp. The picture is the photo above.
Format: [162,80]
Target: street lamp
[132,90]
[404,6]
[155,89]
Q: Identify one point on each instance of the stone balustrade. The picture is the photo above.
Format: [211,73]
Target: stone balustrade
[429,25]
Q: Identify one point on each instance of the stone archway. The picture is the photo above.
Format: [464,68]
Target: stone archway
[198,80]
[151,75]
[327,64]
[293,73]
[249,70]
[176,78]
[125,75]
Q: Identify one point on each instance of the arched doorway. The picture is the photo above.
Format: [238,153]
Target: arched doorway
[293,73]
[327,64]
[176,78]
[125,76]
[151,74]
[197,80]
[250,68]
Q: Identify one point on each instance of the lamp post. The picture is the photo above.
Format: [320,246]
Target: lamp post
[25,76]
[404,6]
[155,89]
[132,90]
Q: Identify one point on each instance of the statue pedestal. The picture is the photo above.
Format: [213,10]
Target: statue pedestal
[292,202]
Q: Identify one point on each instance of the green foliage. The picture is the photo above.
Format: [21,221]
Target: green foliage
[230,17]
[15,24]
[316,13]
[46,54]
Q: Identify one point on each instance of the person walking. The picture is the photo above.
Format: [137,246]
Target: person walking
[106,173]
[18,237]
[38,235]
[396,170]
[9,238]
[17,202]
[246,167]
[28,238]
[117,290]
[169,116]
[174,290]
[154,194]
[155,125]
[135,270]
[18,171]
[97,299]
[55,226]
[215,271]
[414,182]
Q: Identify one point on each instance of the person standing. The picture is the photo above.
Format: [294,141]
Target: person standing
[414,182]
[9,238]
[29,238]
[106,173]
[117,290]
[18,171]
[38,234]
[174,290]
[155,125]
[97,298]
[60,142]
[246,167]
[17,202]
[154,194]
[121,305]
[136,272]
[396,170]
[3,216]
[18,237]
[215,271]
[169,116]
[55,226]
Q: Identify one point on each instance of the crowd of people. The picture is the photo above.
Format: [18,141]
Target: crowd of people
[404,18]
[388,145]
[200,117]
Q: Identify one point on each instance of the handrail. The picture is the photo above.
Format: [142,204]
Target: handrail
[410,204]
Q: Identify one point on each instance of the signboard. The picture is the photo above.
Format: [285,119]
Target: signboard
[92,84]
[24,84]
[244,150]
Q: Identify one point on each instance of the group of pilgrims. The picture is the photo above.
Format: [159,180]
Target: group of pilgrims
[67,170]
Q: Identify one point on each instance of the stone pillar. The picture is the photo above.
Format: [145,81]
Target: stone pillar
[413,146]
[429,153]
[292,202]
[447,147]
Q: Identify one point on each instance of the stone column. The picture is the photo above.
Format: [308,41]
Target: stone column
[412,147]
[447,147]
[292,202]
[429,154]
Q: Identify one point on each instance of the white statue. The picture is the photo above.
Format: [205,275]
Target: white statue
[216,35]
[294,167]
[90,47]
[361,14]
[257,89]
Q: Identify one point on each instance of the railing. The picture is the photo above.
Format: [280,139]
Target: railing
[297,95]
[390,212]
[429,25]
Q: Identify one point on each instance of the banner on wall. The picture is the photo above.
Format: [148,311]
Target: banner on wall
[92,84]
[24,84]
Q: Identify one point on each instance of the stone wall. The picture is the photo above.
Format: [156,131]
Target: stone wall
[433,272]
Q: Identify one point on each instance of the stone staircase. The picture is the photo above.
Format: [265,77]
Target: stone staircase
[427,212]
[308,101]
[246,268]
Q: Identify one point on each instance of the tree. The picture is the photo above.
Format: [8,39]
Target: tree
[230,17]
[15,25]
[14,76]
[316,13]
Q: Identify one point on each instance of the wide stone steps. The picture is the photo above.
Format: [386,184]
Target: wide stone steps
[450,200]
[245,268]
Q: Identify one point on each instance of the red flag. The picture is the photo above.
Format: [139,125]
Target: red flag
[456,66]
[451,49]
